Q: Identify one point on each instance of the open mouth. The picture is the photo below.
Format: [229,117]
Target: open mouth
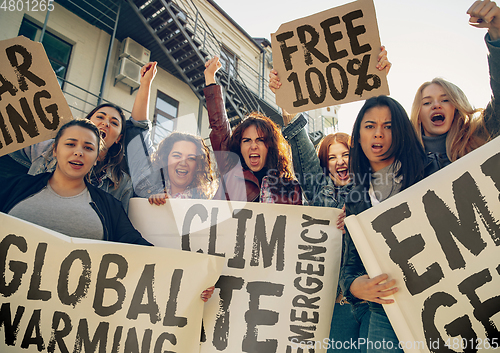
[103,134]
[254,159]
[376,147]
[437,118]
[181,172]
[343,173]
[76,163]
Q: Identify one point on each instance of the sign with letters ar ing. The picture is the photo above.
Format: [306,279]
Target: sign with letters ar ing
[329,58]
[32,106]
[440,240]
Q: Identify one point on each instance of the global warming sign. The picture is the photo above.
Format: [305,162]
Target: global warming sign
[63,294]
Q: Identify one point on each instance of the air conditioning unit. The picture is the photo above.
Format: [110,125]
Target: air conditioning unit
[128,72]
[135,52]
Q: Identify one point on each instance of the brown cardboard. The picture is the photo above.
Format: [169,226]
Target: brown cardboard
[32,105]
[344,58]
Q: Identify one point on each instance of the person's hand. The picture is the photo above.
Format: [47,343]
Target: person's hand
[274,81]
[374,289]
[158,199]
[485,14]
[275,84]
[148,73]
[211,67]
[207,294]
[340,220]
[383,63]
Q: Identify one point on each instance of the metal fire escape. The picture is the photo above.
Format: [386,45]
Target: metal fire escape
[187,40]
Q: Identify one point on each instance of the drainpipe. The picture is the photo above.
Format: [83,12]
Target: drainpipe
[106,66]
[200,116]
[263,73]
[44,26]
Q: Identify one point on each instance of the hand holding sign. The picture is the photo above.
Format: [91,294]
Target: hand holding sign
[374,289]
[383,62]
[337,60]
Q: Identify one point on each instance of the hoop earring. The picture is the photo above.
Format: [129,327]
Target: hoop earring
[116,155]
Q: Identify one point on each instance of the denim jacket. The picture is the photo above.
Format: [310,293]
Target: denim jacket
[139,148]
[318,188]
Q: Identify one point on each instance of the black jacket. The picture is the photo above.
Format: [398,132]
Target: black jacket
[116,225]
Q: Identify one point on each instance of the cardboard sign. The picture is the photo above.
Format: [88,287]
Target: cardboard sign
[32,106]
[440,240]
[329,58]
[278,287]
[62,294]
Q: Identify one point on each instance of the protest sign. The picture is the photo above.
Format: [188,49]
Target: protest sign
[278,287]
[440,240]
[328,58]
[32,106]
[61,294]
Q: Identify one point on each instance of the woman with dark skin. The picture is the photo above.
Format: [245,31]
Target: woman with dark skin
[326,182]
[385,158]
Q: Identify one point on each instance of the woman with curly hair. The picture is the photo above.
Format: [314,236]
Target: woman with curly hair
[254,161]
[446,123]
[185,169]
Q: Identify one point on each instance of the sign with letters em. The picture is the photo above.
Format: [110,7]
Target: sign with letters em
[328,58]
[278,286]
[32,106]
[440,240]
[63,294]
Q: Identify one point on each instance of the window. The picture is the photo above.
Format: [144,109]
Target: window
[229,61]
[164,119]
[58,50]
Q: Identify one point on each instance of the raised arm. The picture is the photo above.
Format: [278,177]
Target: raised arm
[139,147]
[140,109]
[219,124]
[486,14]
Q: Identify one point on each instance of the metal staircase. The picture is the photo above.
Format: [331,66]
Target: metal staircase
[187,41]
